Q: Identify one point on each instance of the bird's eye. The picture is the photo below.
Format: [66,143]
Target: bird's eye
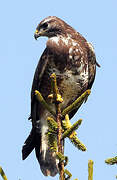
[45,25]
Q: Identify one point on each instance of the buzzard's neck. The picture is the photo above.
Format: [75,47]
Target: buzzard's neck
[59,44]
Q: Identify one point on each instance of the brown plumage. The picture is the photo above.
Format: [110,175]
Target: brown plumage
[72,59]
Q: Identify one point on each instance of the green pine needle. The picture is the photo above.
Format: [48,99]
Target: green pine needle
[111,161]
[69,175]
[77,103]
[3,174]
[52,124]
[90,170]
[69,131]
[76,142]
[43,102]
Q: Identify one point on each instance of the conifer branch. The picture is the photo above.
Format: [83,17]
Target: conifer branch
[52,124]
[69,131]
[71,134]
[43,102]
[52,135]
[66,161]
[111,161]
[57,99]
[77,103]
[3,174]
[66,123]
[69,175]
[61,158]
[52,141]
[90,170]
[77,143]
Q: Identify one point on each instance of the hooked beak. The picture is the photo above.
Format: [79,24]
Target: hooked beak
[37,34]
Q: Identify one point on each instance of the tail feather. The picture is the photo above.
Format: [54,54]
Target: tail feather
[28,145]
[48,162]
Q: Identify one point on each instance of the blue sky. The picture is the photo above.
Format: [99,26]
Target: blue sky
[19,55]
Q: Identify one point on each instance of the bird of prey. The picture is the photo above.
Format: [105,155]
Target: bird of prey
[72,59]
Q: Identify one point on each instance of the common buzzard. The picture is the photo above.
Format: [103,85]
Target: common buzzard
[72,59]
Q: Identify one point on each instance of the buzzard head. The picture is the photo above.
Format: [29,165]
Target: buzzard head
[50,27]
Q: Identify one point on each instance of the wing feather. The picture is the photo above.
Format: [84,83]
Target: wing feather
[37,80]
